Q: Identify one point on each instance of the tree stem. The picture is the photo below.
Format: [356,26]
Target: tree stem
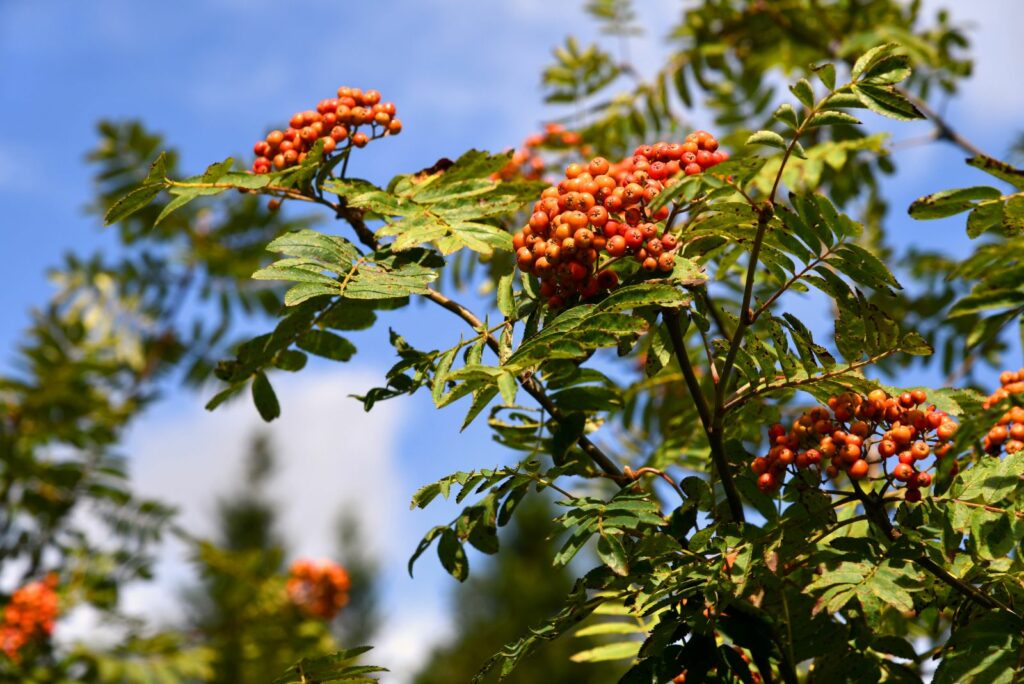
[711,422]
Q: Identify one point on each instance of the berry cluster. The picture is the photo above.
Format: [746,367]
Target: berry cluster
[29,615]
[527,161]
[599,209]
[318,588]
[336,121]
[856,431]
[1008,433]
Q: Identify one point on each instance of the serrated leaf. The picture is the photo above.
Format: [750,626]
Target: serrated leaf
[827,73]
[888,70]
[870,58]
[831,117]
[651,293]
[804,92]
[887,101]
[950,202]
[612,554]
[768,138]
[132,202]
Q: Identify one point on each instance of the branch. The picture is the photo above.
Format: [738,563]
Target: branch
[354,217]
[663,475]
[707,418]
[943,130]
[532,387]
[763,217]
[671,319]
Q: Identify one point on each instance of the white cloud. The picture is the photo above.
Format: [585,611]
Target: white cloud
[329,451]
[407,641]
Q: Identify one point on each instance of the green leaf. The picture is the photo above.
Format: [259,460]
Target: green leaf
[999,169]
[140,196]
[453,555]
[804,92]
[787,115]
[509,386]
[768,138]
[330,250]
[875,587]
[576,332]
[449,208]
[888,70]
[983,218]
[1013,215]
[827,74]
[264,397]
[290,360]
[687,272]
[612,554]
[986,651]
[986,299]
[506,300]
[831,117]
[887,101]
[334,667]
[137,199]
[950,202]
[625,650]
[871,58]
[650,293]
[326,344]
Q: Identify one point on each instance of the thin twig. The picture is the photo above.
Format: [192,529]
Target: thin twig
[792,280]
[647,470]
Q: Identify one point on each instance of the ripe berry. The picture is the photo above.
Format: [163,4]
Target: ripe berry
[858,470]
[902,472]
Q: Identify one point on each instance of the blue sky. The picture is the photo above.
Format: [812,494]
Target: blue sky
[212,76]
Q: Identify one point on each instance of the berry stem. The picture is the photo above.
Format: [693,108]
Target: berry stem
[663,475]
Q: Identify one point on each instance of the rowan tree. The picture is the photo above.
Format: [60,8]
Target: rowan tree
[767,501]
